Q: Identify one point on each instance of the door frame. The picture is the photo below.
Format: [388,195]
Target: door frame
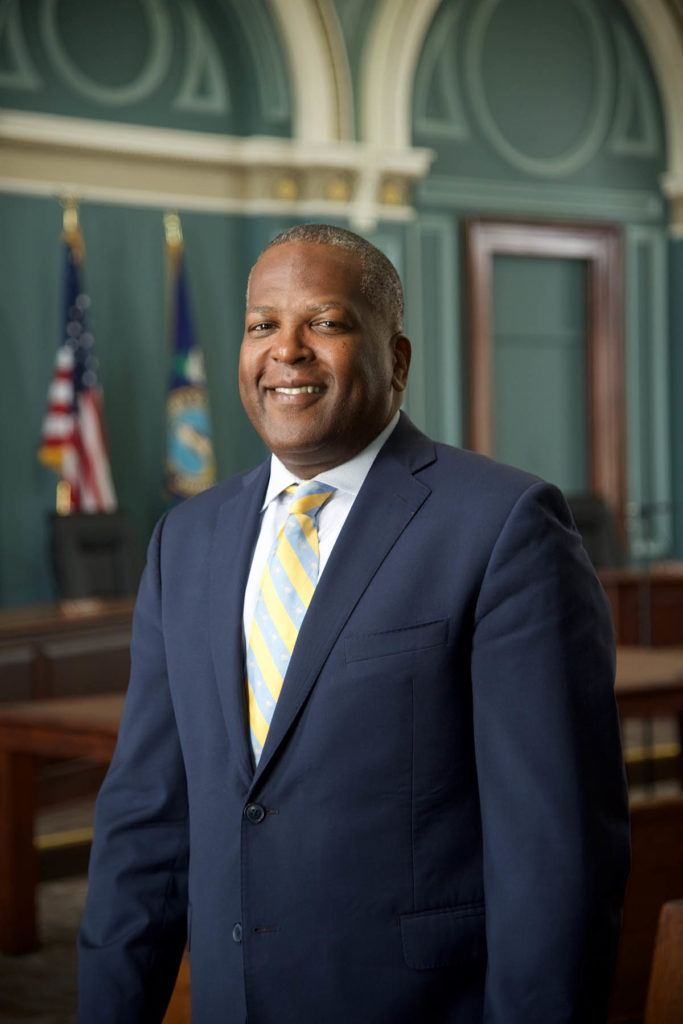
[600,247]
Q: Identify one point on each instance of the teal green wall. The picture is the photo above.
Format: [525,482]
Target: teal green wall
[534,108]
[547,109]
[542,90]
[204,65]
[124,275]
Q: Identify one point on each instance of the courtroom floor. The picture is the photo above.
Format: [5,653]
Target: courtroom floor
[41,987]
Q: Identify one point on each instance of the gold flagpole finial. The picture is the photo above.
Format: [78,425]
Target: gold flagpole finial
[174,231]
[71,227]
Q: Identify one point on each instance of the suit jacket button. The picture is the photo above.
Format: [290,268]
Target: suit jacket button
[254,813]
[237,933]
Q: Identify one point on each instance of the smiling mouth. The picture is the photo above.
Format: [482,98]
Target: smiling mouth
[308,389]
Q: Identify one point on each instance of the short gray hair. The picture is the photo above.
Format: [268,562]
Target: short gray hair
[380,283]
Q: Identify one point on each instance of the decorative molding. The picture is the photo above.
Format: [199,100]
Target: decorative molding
[649,511]
[20,72]
[634,94]
[398,34]
[438,77]
[98,160]
[595,130]
[203,66]
[321,79]
[661,36]
[151,76]
[266,54]
[540,198]
[388,70]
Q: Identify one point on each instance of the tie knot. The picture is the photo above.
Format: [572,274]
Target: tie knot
[309,497]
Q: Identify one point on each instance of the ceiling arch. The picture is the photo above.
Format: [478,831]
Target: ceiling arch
[321,81]
[661,36]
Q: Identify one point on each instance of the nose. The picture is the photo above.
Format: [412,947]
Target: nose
[290,345]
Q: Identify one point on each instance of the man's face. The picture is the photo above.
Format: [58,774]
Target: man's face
[320,374]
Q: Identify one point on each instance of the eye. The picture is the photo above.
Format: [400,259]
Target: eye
[330,325]
[265,325]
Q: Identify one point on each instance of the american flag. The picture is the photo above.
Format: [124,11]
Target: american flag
[73,441]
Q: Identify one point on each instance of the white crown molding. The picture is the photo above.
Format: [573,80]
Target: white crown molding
[51,155]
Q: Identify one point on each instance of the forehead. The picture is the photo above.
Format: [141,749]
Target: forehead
[309,267]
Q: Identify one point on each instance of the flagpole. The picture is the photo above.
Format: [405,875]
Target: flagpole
[173,232]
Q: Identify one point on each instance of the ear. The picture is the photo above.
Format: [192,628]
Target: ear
[402,351]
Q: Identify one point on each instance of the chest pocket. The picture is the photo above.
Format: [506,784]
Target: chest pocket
[361,647]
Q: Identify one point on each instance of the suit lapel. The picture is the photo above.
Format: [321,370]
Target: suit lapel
[233,544]
[386,503]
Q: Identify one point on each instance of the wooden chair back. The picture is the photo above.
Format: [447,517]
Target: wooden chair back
[656,877]
[665,990]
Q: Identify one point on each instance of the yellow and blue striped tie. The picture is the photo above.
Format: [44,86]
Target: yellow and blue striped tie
[287,586]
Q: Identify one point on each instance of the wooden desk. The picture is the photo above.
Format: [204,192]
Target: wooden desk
[37,621]
[64,650]
[68,727]
[649,682]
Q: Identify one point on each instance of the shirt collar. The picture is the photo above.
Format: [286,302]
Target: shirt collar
[348,477]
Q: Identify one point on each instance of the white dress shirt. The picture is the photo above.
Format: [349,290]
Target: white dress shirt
[347,479]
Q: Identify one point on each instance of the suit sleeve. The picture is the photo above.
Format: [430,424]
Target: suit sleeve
[134,927]
[550,770]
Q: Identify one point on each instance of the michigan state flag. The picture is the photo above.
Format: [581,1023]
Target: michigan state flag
[190,464]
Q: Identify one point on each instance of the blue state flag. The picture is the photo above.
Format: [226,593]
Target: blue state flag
[190,463]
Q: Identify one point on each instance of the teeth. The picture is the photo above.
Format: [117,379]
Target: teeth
[309,389]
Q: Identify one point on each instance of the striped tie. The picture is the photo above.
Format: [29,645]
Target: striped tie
[287,586]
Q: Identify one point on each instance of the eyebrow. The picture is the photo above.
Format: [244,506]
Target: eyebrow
[322,307]
[260,309]
[312,307]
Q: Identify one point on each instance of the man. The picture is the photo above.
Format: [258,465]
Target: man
[406,803]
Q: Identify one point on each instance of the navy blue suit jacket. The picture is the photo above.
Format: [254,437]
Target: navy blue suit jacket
[437,829]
